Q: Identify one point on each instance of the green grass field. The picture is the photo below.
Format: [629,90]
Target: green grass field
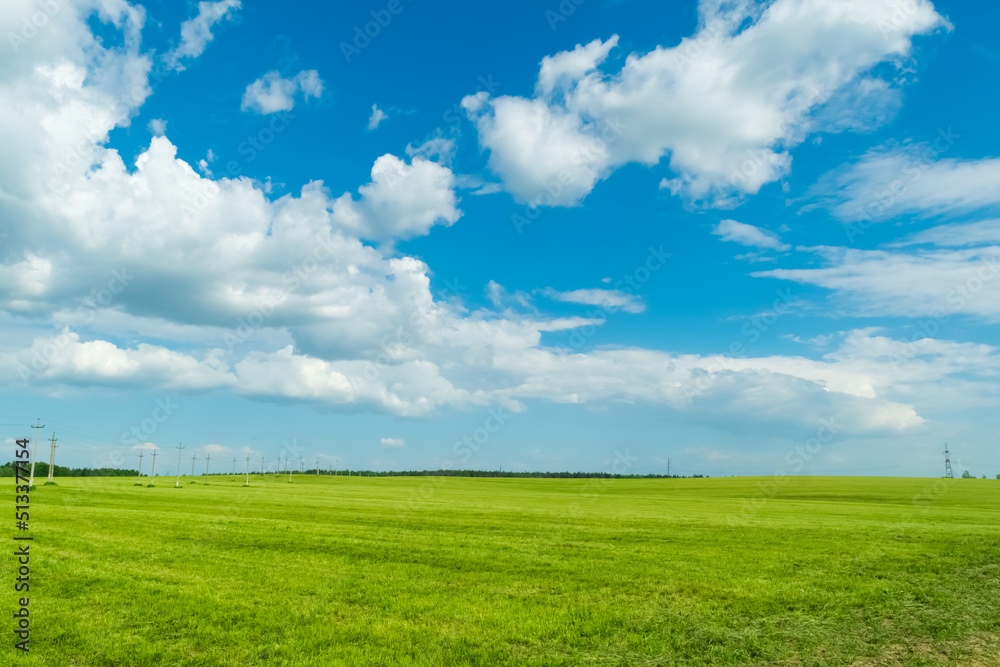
[452,571]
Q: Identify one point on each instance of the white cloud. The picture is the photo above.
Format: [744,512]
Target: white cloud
[438,149]
[283,301]
[956,235]
[605,298]
[158,127]
[377,117]
[924,283]
[392,442]
[725,105]
[910,181]
[196,33]
[744,234]
[272,93]
[402,200]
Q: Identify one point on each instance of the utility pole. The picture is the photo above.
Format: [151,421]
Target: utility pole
[34,448]
[300,465]
[261,465]
[193,457]
[139,481]
[668,467]
[248,471]
[177,484]
[947,463]
[234,465]
[207,461]
[152,473]
[52,456]
[317,466]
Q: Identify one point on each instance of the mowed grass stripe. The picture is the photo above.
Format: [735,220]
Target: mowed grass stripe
[419,571]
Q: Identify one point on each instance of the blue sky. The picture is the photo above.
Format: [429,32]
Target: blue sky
[750,237]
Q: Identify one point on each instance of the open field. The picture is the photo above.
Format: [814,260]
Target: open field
[453,571]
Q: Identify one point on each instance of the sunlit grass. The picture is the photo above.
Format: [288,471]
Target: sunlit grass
[452,571]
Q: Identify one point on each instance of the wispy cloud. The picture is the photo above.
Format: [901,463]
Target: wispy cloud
[376,118]
[196,33]
[748,235]
[606,298]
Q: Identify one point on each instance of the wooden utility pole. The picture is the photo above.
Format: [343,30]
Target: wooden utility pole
[193,457]
[207,461]
[34,448]
[139,481]
[152,473]
[52,456]
[177,484]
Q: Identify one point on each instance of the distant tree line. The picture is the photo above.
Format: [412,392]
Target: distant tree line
[476,473]
[42,470]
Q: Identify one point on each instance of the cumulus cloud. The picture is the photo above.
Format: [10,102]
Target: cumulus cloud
[402,200]
[392,442]
[724,106]
[376,118]
[744,234]
[283,300]
[196,32]
[272,93]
